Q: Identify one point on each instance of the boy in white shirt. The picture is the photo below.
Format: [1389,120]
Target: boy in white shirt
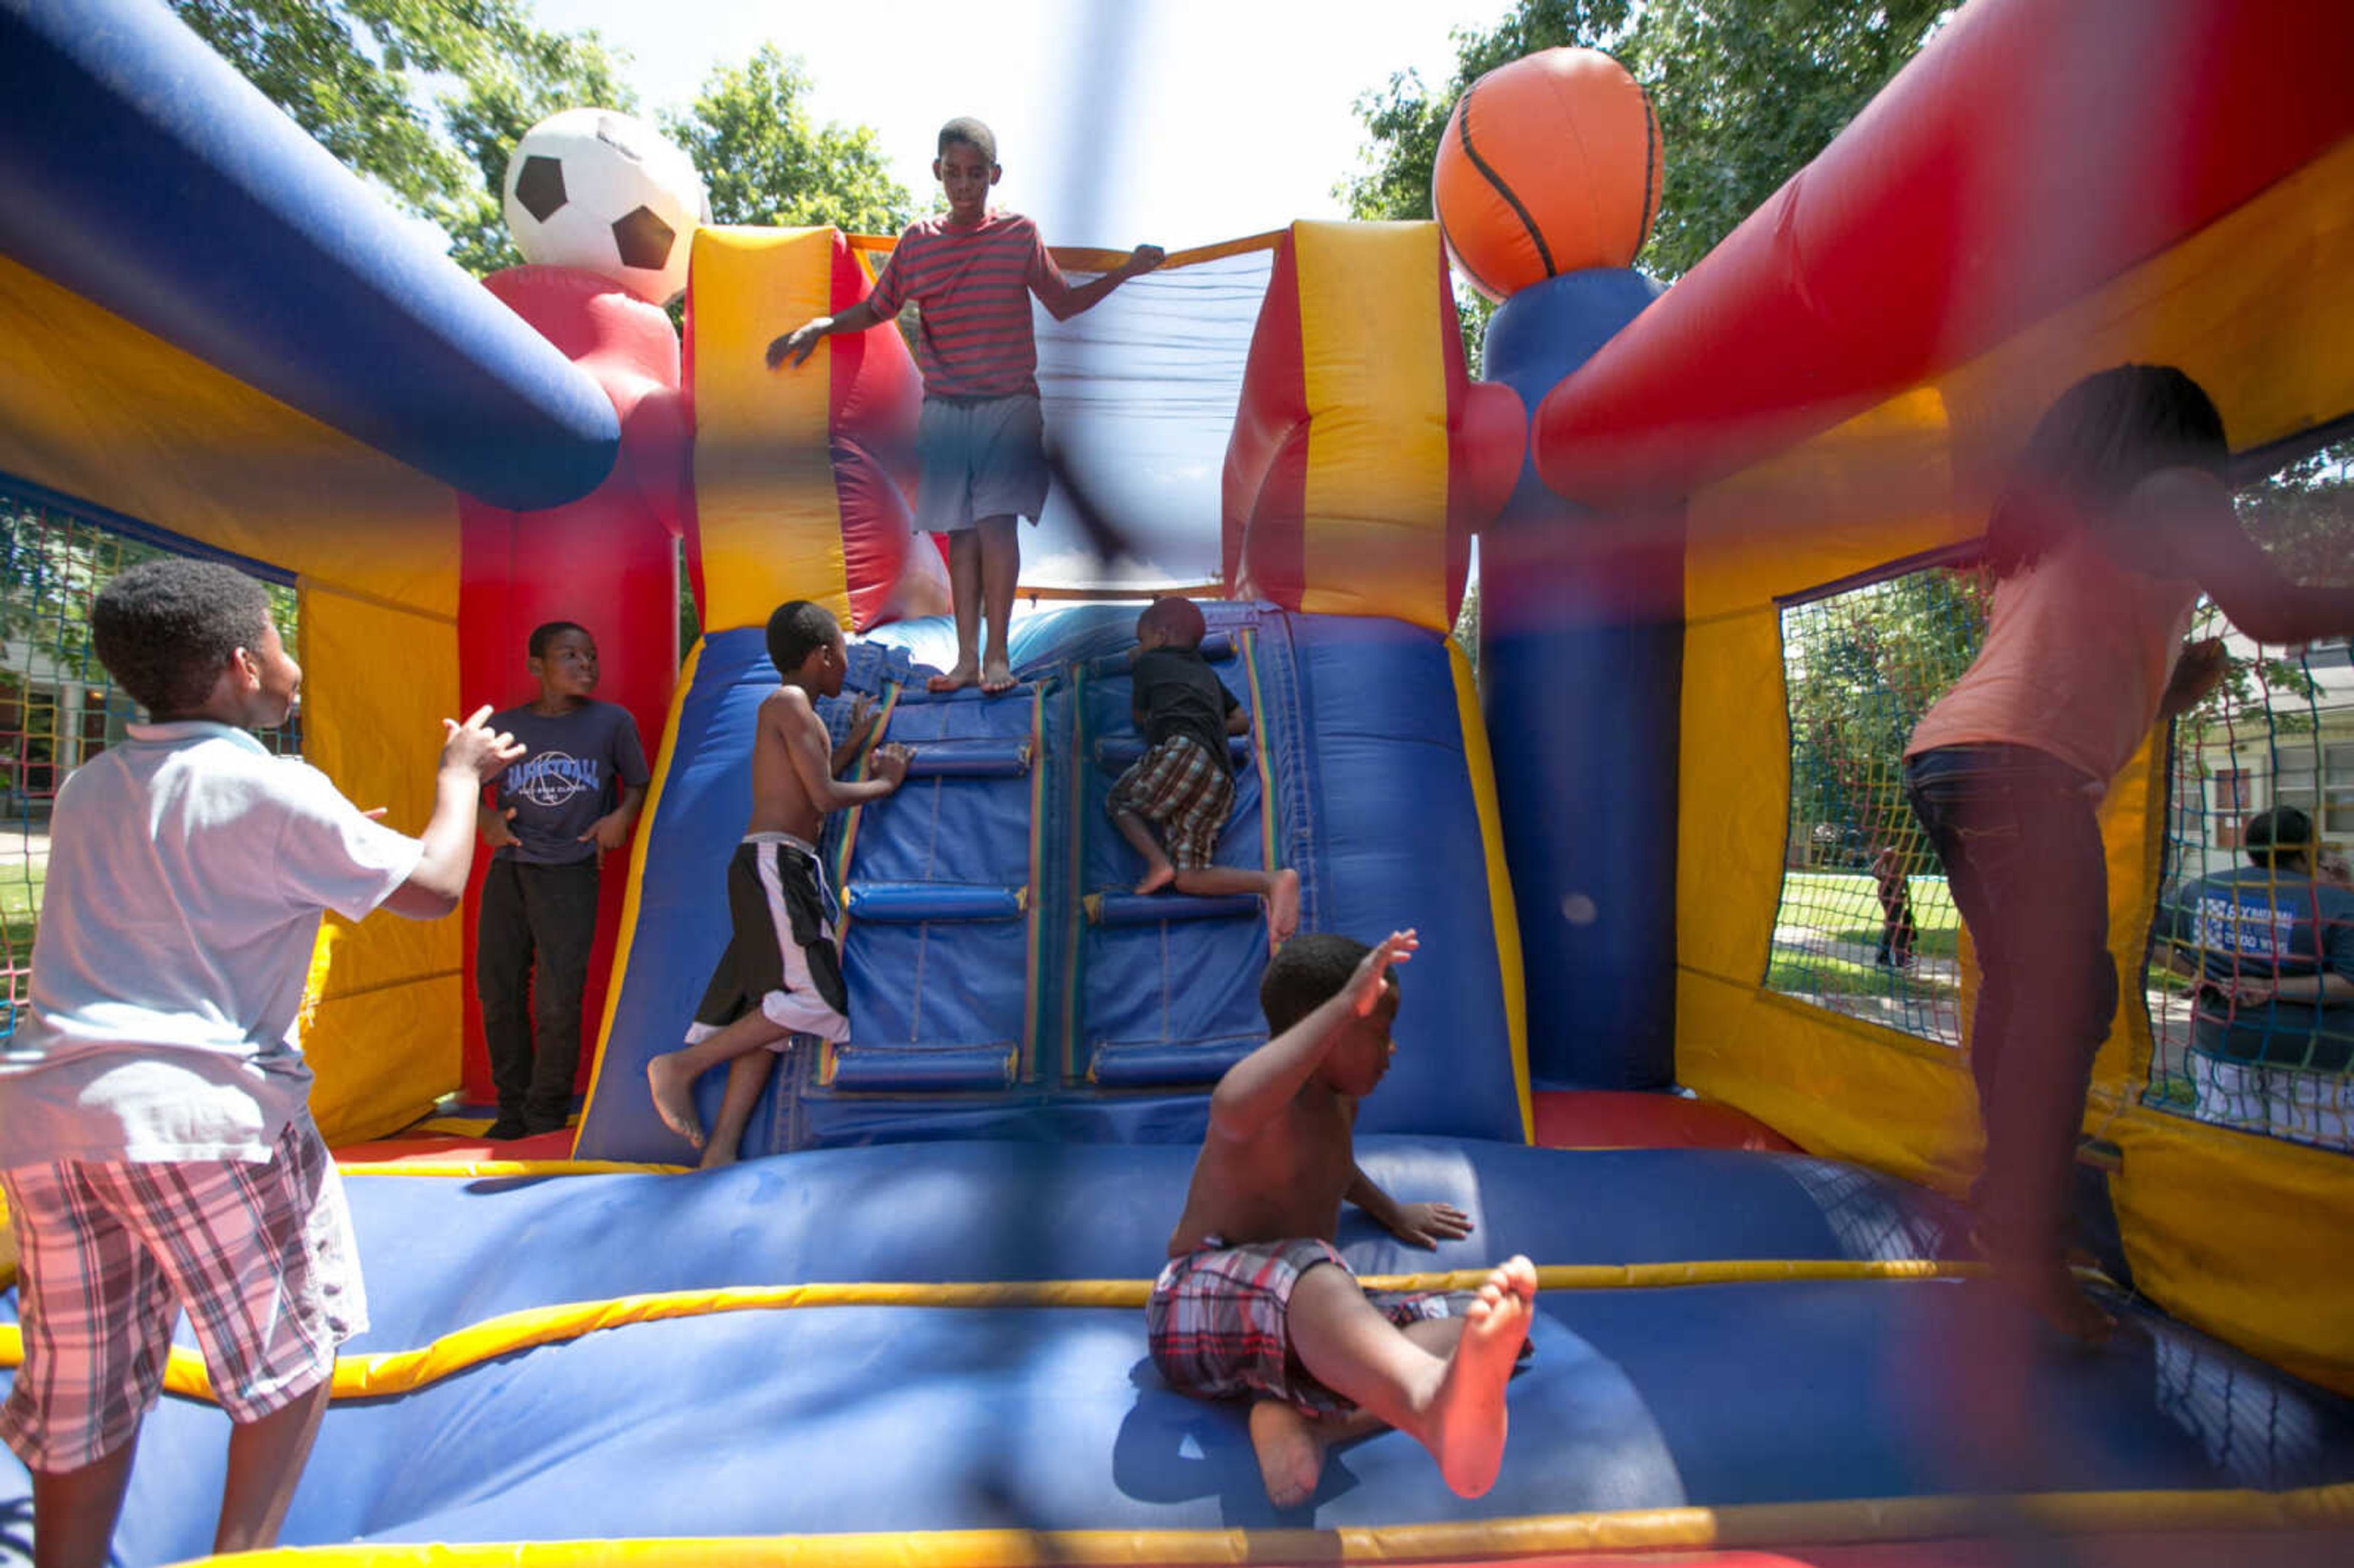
[154,1111]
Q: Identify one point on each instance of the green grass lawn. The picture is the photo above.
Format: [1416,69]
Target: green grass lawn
[20,906]
[1844,908]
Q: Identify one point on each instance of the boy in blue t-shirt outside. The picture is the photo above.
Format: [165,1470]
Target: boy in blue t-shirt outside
[552,818]
[155,1124]
[2272,947]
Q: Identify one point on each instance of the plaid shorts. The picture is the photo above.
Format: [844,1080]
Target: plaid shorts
[1218,1321]
[1187,791]
[260,1254]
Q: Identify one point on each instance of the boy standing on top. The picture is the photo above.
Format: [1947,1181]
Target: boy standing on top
[979,442]
[780,977]
[154,1116]
[1256,1300]
[552,818]
[1183,783]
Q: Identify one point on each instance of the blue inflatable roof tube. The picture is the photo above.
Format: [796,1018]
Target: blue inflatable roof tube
[140,170]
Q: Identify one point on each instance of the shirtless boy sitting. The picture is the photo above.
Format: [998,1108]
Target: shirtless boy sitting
[780,977]
[1256,1299]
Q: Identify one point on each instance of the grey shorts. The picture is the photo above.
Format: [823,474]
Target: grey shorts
[979,459]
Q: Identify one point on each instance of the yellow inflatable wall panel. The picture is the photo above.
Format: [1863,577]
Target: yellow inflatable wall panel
[1375,522]
[765,504]
[2239,1235]
[93,407]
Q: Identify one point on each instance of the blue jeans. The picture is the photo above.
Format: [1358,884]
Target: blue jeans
[2022,848]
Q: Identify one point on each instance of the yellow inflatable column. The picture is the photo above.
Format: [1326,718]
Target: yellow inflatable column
[1374,523]
[768,522]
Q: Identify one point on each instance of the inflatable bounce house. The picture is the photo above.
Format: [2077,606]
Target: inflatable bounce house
[907,1327]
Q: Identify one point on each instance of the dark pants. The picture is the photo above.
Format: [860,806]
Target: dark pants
[531,965]
[2021,849]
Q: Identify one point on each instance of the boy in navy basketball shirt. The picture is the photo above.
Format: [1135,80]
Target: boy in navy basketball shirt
[980,440]
[555,814]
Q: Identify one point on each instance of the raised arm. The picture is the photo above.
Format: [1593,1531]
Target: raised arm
[855,738]
[1063,301]
[800,342]
[2190,512]
[806,745]
[471,755]
[1257,1087]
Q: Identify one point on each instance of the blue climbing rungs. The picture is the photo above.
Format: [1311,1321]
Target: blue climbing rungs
[1149,908]
[1117,753]
[873,1069]
[982,758]
[910,903]
[1156,1064]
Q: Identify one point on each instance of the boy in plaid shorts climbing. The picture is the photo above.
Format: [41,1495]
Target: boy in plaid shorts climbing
[1183,784]
[1256,1301]
[154,1113]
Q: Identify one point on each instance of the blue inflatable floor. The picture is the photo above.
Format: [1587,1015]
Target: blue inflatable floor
[917,1417]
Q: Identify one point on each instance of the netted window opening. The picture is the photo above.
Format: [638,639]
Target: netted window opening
[58,708]
[2251,977]
[1865,925]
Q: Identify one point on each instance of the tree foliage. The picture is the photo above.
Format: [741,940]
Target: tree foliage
[1746,91]
[766,163]
[425,97]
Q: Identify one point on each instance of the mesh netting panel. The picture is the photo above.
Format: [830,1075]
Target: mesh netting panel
[1865,925]
[2245,1034]
[58,708]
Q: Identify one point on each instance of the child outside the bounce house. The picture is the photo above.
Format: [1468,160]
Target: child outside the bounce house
[1256,1300]
[1183,785]
[980,439]
[2116,517]
[154,1103]
[550,821]
[781,979]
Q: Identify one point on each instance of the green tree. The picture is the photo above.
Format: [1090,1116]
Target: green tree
[767,162]
[426,98]
[1746,91]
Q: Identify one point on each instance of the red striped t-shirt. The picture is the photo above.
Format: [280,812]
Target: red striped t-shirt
[974,286]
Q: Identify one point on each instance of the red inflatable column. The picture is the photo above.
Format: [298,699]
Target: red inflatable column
[607,560]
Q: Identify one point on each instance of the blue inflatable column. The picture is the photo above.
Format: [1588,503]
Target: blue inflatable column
[1580,651]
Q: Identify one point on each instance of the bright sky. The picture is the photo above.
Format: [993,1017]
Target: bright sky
[1174,122]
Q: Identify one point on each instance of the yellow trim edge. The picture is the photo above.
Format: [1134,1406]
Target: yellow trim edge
[403,1371]
[1746,1525]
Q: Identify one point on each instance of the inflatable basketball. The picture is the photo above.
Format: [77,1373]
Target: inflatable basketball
[1550,164]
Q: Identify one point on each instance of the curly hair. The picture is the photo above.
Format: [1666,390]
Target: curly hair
[798,629]
[1307,972]
[166,629]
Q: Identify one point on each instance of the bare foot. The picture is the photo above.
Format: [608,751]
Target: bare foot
[719,1154]
[1468,1415]
[2051,1293]
[958,678]
[1157,876]
[996,678]
[1282,908]
[1291,1453]
[674,1099]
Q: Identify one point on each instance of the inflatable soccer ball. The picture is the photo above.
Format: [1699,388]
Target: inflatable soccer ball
[605,193]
